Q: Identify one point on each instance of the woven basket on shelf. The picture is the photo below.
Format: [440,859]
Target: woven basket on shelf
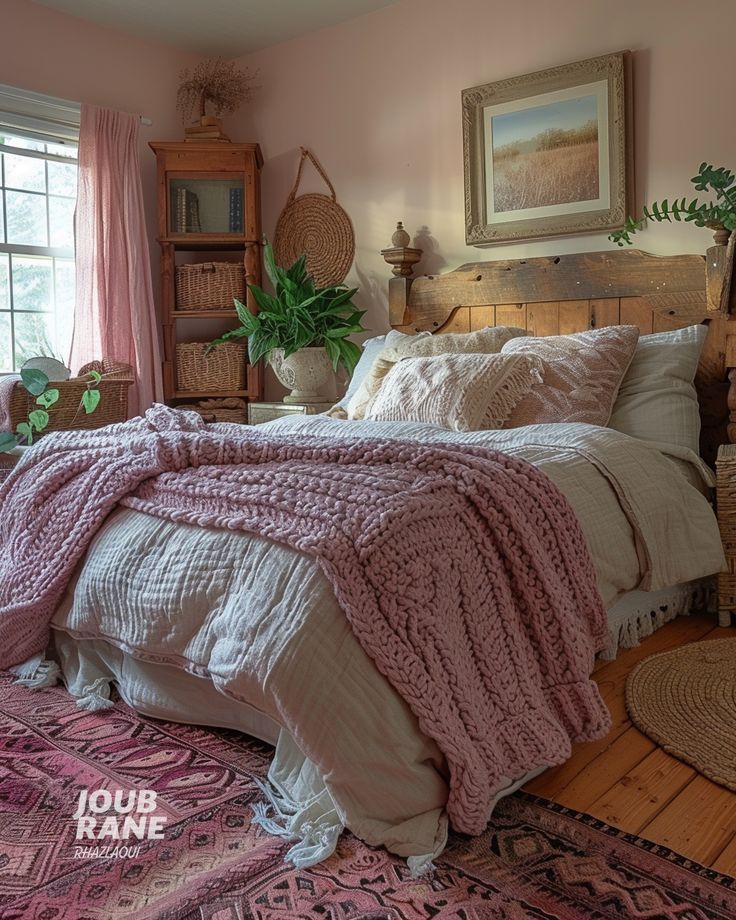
[220,410]
[68,413]
[209,285]
[223,368]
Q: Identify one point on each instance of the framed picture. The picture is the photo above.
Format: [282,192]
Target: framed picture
[549,153]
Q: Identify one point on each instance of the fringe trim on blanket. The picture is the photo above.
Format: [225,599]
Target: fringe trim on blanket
[96,696]
[653,610]
[37,672]
[316,838]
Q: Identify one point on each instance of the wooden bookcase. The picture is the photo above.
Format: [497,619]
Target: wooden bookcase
[206,172]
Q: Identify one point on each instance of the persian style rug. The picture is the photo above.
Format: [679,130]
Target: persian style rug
[536,860]
[685,700]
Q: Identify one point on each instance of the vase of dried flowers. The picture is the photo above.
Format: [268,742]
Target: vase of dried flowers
[215,85]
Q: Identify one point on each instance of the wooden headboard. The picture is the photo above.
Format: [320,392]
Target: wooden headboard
[571,293]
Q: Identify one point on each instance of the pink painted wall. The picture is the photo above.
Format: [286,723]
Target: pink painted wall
[48,52]
[378,100]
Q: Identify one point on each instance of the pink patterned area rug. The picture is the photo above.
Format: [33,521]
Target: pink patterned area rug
[536,860]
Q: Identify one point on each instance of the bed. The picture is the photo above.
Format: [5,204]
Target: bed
[189,622]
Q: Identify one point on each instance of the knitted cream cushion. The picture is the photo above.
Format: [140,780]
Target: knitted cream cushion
[484,341]
[582,375]
[462,392]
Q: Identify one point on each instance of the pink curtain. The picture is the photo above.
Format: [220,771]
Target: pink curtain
[114,315]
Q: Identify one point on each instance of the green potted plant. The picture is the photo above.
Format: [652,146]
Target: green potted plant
[718,214]
[36,383]
[300,330]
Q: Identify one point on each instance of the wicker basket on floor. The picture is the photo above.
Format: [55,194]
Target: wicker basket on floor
[223,368]
[209,285]
[220,410]
[68,413]
[726,506]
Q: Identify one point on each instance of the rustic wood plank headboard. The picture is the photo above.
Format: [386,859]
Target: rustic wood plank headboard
[570,293]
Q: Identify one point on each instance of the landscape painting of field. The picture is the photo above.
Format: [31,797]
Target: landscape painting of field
[546,155]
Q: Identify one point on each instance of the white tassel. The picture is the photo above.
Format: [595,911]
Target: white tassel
[96,696]
[420,865]
[269,825]
[36,672]
[315,840]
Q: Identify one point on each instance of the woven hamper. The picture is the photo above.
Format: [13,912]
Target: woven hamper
[68,413]
[726,505]
[209,286]
[224,368]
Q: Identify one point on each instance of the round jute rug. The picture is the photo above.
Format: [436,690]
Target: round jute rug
[685,700]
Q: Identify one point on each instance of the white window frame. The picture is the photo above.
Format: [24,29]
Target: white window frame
[47,120]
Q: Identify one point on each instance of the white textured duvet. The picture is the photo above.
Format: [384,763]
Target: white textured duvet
[260,622]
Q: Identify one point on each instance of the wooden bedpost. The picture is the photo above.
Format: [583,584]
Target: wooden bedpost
[719,273]
[402,258]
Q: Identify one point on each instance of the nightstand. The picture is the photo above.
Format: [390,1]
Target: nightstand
[726,507]
[260,412]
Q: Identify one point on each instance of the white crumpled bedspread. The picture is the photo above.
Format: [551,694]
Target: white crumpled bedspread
[261,622]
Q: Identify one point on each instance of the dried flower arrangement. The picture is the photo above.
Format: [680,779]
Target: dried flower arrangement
[217,82]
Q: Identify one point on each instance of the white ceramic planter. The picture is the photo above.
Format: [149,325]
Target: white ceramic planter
[305,373]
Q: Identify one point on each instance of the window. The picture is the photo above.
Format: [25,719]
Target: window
[38,189]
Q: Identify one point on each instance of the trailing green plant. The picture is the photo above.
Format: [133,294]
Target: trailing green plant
[717,213]
[36,383]
[298,315]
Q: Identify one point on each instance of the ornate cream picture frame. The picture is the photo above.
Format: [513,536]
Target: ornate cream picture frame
[549,153]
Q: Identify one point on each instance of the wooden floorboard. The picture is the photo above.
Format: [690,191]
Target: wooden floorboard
[626,780]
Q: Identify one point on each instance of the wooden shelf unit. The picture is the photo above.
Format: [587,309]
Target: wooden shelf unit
[216,168]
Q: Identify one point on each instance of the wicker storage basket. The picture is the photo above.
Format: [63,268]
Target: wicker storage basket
[222,369]
[220,410]
[68,413]
[209,285]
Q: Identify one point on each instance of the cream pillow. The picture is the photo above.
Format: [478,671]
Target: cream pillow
[582,375]
[462,392]
[657,400]
[485,341]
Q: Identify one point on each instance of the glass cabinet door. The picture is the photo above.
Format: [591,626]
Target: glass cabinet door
[210,205]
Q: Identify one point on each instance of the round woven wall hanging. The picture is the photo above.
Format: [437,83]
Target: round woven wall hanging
[685,700]
[316,226]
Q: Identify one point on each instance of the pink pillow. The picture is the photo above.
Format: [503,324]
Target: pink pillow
[582,374]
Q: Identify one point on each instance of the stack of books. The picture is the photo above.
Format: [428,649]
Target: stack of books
[236,210]
[196,133]
[186,212]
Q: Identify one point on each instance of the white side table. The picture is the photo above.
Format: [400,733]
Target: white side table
[260,412]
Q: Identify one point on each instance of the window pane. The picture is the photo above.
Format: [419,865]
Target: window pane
[61,222]
[2,217]
[4,281]
[32,288]
[62,150]
[64,306]
[34,334]
[62,179]
[25,172]
[26,218]
[6,356]
[12,141]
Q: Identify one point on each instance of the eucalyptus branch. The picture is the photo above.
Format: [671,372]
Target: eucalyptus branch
[719,213]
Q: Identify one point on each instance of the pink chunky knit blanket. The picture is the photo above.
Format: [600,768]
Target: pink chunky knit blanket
[463,572]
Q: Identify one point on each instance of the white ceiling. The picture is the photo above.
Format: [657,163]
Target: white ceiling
[227,28]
